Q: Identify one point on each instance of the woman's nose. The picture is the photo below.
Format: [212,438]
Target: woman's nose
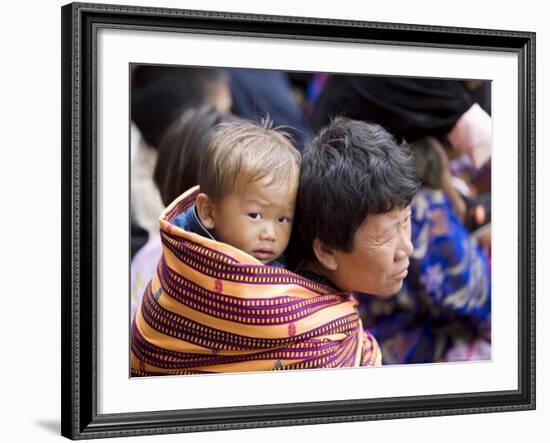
[405,248]
[409,247]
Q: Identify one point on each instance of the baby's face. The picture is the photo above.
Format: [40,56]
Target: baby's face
[257,219]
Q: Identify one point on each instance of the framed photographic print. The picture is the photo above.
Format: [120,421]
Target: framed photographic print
[171,323]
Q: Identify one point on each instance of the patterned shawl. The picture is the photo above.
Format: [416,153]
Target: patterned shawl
[213,308]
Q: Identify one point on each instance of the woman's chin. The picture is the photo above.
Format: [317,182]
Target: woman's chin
[389,290]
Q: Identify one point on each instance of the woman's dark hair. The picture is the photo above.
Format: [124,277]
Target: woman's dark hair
[180,150]
[161,93]
[349,170]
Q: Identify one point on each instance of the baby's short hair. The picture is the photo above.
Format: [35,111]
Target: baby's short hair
[243,152]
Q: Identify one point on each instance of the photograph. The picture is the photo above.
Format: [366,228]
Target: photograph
[238,261]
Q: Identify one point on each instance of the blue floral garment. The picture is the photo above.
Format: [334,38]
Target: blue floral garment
[446,297]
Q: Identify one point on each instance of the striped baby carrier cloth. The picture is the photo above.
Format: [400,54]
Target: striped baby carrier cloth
[212,308]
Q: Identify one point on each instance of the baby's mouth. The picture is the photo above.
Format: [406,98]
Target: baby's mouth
[263,254]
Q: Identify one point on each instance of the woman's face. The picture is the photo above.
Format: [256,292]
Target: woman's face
[379,260]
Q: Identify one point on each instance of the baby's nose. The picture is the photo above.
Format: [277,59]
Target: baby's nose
[268,232]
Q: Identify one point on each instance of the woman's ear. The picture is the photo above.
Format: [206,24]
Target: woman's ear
[325,256]
[205,210]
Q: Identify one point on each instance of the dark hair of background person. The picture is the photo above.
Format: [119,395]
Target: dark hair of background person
[429,165]
[349,170]
[180,150]
[160,93]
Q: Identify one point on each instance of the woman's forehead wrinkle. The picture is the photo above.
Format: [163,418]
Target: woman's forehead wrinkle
[371,235]
[382,223]
[378,227]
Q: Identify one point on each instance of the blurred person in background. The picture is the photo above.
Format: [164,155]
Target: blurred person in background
[257,93]
[454,111]
[159,94]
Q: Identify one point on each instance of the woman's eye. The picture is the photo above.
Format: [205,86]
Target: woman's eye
[255,215]
[284,220]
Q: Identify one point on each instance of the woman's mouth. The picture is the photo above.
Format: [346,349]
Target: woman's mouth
[401,274]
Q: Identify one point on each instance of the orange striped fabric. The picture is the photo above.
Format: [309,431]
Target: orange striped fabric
[213,308]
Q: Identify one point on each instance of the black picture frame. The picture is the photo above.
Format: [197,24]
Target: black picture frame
[79,215]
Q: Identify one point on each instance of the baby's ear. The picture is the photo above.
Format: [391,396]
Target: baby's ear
[205,210]
[325,255]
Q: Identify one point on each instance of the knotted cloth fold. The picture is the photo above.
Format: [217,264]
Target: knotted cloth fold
[212,308]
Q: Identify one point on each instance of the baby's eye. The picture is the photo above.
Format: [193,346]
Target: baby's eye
[255,215]
[284,220]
